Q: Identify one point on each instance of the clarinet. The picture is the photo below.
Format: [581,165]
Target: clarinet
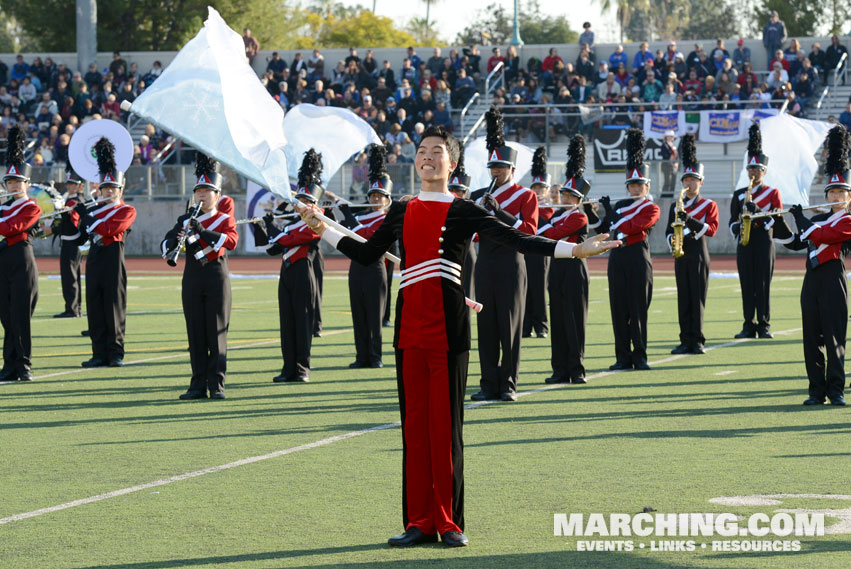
[172,255]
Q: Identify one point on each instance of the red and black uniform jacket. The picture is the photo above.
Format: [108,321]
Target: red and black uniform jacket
[108,223]
[828,238]
[633,219]
[702,221]
[518,208]
[765,198]
[296,241]
[17,217]
[217,236]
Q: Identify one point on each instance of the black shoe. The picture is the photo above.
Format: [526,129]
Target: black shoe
[813,401]
[300,379]
[85,333]
[317,334]
[8,375]
[357,365]
[579,380]
[619,366]
[413,536]
[765,334]
[193,395]
[116,362]
[698,349]
[65,314]
[280,378]
[746,333]
[508,396]
[555,379]
[839,400]
[641,365]
[454,539]
[387,324]
[27,375]
[681,349]
[217,395]
[94,362]
[529,335]
[482,396]
[540,335]
[376,364]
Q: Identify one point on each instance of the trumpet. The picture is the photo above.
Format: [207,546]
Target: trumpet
[678,226]
[772,213]
[746,216]
[172,255]
[260,219]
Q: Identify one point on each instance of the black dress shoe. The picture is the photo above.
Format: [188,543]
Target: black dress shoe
[839,400]
[94,362]
[387,324]
[65,315]
[217,395]
[300,379]
[454,539]
[413,536]
[317,334]
[698,349]
[280,378]
[813,401]
[508,396]
[540,335]
[482,396]
[619,366]
[8,375]
[579,380]
[765,334]
[376,364]
[85,333]
[745,333]
[357,365]
[641,365]
[681,349]
[194,395]
[116,362]
[555,379]
[529,335]
[27,375]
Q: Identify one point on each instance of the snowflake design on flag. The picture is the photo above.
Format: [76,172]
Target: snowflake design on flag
[204,107]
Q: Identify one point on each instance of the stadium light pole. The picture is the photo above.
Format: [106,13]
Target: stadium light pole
[87,37]
[516,41]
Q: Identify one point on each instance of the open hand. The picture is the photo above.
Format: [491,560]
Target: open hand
[595,246]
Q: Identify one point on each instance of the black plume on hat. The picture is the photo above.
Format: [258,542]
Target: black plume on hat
[377,162]
[105,153]
[688,152]
[311,169]
[204,165]
[15,144]
[837,150]
[575,166]
[634,149]
[754,141]
[459,169]
[495,137]
[539,163]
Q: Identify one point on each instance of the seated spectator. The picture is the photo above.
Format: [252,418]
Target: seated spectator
[673,80]
[369,63]
[845,117]
[549,63]
[709,88]
[807,67]
[381,126]
[736,97]
[408,72]
[832,57]
[43,118]
[386,73]
[602,73]
[427,81]
[519,88]
[796,64]
[93,76]
[817,57]
[794,106]
[316,66]
[703,66]
[631,89]
[779,58]
[668,98]
[777,77]
[442,116]
[154,73]
[396,133]
[19,69]
[694,56]
[671,52]
[643,54]
[718,60]
[741,55]
[621,74]
[381,92]
[804,89]
[649,70]
[443,94]
[719,48]
[27,92]
[680,68]
[728,68]
[618,56]
[585,67]
[298,65]
[790,54]
[276,65]
[724,83]
[582,91]
[652,89]
[464,88]
[608,90]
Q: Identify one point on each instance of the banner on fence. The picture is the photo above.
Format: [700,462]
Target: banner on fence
[657,123]
[729,126]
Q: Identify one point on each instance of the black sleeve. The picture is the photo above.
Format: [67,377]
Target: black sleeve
[261,238]
[592,216]
[210,237]
[796,244]
[672,217]
[694,225]
[349,219]
[383,238]
[735,213]
[505,217]
[478,220]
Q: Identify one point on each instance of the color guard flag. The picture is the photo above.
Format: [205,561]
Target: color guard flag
[476,158]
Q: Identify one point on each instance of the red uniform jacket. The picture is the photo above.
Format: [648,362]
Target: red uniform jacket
[567,224]
[636,218]
[225,205]
[368,223]
[111,221]
[17,217]
[297,237]
[218,222]
[827,237]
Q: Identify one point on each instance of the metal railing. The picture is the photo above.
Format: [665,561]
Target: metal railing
[465,110]
[488,87]
[829,91]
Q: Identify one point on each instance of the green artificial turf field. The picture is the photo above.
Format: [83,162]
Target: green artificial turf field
[729,423]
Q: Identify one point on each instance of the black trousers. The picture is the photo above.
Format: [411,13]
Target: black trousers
[630,292]
[756,268]
[389,267]
[70,265]
[18,297]
[206,297]
[535,316]
[501,288]
[367,297]
[296,296]
[319,273]
[467,275]
[106,299]
[568,286]
[824,313]
[692,274]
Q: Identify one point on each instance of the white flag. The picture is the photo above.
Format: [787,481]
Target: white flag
[790,144]
[476,160]
[210,98]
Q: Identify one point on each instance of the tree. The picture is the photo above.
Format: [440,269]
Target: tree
[8,41]
[800,16]
[495,24]
[491,23]
[423,32]
[364,29]
[710,19]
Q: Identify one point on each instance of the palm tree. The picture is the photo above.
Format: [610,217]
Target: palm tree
[428,11]
[624,10]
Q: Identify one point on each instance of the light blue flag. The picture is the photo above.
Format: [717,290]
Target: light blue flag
[210,98]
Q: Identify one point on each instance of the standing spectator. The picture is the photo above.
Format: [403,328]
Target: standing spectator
[276,66]
[845,117]
[415,59]
[618,56]
[587,36]
[298,65]
[643,54]
[435,62]
[669,164]
[741,55]
[773,35]
[93,76]
[832,56]
[19,69]
[817,58]
[117,64]
[369,62]
[252,46]
[386,73]
[353,56]
[316,64]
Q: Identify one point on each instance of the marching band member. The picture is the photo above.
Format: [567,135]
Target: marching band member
[537,268]
[297,285]
[824,295]
[568,278]
[19,277]
[106,273]
[501,271]
[432,335]
[459,186]
[206,293]
[755,261]
[66,228]
[630,269]
[368,284]
[692,268]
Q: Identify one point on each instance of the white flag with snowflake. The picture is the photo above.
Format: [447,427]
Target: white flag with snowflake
[210,97]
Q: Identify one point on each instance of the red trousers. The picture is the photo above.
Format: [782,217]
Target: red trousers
[431,386]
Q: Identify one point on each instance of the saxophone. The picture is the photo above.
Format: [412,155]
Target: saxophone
[677,226]
[745,216]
